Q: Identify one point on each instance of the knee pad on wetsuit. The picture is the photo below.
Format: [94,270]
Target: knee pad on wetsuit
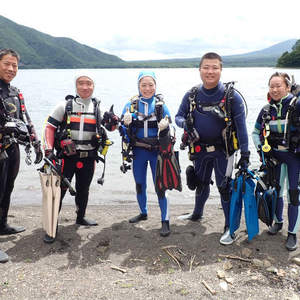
[191,178]
[138,187]
[201,186]
[224,189]
[294,197]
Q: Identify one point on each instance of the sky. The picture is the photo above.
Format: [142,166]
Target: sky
[162,29]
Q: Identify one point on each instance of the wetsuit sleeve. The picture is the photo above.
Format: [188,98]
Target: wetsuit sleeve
[32,131]
[257,131]
[183,110]
[57,115]
[101,109]
[239,119]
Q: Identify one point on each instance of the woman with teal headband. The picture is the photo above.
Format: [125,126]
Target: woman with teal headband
[141,117]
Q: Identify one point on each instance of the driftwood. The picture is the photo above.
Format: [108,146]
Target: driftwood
[211,290]
[173,257]
[168,247]
[235,257]
[118,269]
[191,262]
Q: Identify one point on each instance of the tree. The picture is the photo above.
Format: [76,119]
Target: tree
[292,59]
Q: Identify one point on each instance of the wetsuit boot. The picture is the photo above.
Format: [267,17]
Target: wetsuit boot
[6,229]
[85,222]
[291,242]
[50,239]
[138,218]
[275,228]
[165,228]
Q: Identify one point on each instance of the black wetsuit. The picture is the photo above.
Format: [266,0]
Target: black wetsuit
[9,168]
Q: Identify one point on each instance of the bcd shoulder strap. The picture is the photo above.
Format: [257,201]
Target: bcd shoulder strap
[158,110]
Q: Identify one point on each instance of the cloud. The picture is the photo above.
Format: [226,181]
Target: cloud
[133,49]
[163,29]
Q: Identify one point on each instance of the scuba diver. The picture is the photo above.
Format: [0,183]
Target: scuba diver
[73,135]
[16,129]
[213,117]
[144,117]
[276,134]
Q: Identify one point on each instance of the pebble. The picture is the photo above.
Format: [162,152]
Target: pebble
[246,252]
[267,264]
[224,285]
[227,265]
[258,263]
[281,273]
[221,274]
[294,271]
[296,260]
[272,269]
[229,280]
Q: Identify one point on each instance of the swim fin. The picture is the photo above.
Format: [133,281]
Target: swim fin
[243,192]
[51,199]
[167,174]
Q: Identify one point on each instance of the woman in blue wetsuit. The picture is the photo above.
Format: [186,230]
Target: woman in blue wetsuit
[276,126]
[205,126]
[143,116]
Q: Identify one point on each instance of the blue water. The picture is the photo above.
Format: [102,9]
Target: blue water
[43,89]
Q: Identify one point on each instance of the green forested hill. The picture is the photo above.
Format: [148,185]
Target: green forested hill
[39,50]
[292,59]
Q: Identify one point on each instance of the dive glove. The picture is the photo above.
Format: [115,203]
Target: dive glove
[110,120]
[191,131]
[50,155]
[127,117]
[295,90]
[38,152]
[163,124]
[243,163]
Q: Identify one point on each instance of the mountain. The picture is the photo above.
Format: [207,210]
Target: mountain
[40,50]
[266,57]
[262,58]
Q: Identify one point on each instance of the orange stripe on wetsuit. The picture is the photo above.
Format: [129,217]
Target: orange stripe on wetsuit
[87,121]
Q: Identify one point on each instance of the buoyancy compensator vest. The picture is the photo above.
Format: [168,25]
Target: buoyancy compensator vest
[223,110]
[65,143]
[139,122]
[283,139]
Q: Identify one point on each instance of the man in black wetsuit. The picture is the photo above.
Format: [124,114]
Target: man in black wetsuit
[12,106]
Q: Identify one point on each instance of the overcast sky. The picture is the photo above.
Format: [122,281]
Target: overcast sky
[159,29]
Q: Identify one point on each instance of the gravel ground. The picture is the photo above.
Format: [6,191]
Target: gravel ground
[118,260]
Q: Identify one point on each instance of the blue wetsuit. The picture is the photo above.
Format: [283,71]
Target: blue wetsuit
[210,127]
[288,167]
[146,131]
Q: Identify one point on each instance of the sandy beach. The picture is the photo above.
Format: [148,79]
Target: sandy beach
[117,259]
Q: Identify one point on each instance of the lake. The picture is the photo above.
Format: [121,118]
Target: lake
[43,89]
